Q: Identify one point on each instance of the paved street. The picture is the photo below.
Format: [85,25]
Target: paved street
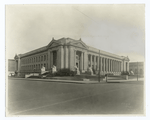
[27,97]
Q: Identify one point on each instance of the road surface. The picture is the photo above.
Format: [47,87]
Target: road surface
[27,97]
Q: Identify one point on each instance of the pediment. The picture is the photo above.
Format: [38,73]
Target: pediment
[79,44]
[53,44]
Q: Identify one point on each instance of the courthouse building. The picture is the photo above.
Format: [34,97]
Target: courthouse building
[68,53]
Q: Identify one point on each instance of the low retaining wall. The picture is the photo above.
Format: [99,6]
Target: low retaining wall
[31,74]
[124,77]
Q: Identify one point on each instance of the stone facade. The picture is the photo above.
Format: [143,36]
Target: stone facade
[137,67]
[67,53]
[11,65]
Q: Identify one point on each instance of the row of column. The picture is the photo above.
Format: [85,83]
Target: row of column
[65,57]
[106,64]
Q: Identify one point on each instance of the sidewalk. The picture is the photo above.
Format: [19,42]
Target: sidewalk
[129,80]
[76,81]
[56,80]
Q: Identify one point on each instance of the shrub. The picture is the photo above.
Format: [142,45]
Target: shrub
[125,73]
[65,72]
[109,74]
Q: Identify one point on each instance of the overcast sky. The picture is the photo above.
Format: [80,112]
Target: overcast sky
[118,29]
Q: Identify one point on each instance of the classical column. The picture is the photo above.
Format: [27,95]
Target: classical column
[109,65]
[116,66]
[113,65]
[94,62]
[85,61]
[91,60]
[51,57]
[119,66]
[98,63]
[128,66]
[81,61]
[58,59]
[104,64]
[66,56]
[74,57]
[122,69]
[61,57]
[71,56]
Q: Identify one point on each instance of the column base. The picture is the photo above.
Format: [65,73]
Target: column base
[82,71]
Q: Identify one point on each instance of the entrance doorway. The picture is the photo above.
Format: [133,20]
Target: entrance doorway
[78,59]
[55,58]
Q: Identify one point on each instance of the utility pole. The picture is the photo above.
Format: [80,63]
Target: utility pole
[137,71]
[99,66]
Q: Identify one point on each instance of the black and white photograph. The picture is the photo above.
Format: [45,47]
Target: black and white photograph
[75,59]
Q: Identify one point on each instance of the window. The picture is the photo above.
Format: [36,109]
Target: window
[136,71]
[141,71]
[44,57]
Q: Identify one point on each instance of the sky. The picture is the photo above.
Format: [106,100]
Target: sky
[118,29]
